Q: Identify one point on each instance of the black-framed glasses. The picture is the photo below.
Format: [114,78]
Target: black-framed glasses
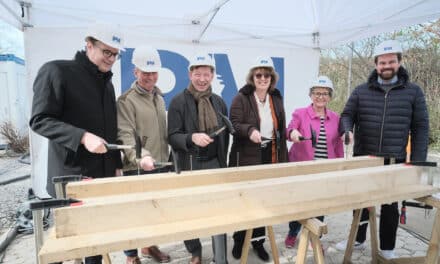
[259,75]
[318,94]
[108,53]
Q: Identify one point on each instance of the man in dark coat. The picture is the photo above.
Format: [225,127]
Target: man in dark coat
[192,116]
[74,107]
[383,112]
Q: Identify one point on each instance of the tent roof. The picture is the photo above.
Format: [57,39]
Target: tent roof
[276,23]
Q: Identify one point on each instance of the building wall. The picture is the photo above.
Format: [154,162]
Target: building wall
[14,104]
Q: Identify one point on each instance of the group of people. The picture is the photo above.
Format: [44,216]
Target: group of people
[75,107]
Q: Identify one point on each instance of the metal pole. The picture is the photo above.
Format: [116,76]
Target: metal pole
[37,216]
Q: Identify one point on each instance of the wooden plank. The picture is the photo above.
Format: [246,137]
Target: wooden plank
[373,235]
[198,202]
[58,249]
[317,249]
[430,200]
[302,247]
[246,246]
[315,226]
[273,245]
[433,249]
[352,236]
[162,181]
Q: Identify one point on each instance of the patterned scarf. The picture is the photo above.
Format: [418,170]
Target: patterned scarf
[207,116]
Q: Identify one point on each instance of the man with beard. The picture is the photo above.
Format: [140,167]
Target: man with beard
[383,112]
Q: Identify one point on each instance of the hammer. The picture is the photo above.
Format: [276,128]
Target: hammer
[227,125]
[311,138]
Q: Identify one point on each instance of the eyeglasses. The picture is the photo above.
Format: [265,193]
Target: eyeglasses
[318,94]
[259,75]
[108,53]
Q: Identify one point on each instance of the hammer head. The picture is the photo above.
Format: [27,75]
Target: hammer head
[228,123]
[313,137]
[138,146]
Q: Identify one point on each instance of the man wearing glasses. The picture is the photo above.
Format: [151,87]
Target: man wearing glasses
[74,107]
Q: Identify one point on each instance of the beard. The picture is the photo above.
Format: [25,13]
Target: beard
[387,74]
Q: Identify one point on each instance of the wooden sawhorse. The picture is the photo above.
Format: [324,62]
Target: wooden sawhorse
[376,258]
[312,230]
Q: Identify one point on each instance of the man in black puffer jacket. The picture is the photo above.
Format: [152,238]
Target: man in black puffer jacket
[383,112]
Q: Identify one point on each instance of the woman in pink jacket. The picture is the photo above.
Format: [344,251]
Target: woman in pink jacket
[324,123]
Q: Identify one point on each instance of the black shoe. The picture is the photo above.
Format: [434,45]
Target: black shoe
[261,253]
[237,250]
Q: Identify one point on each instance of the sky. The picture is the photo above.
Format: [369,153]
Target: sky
[11,40]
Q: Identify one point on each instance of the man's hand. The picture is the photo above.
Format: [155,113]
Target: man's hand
[118,172]
[93,143]
[201,139]
[255,136]
[147,163]
[294,136]
[350,135]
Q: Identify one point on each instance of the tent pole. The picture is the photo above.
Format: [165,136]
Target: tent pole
[215,10]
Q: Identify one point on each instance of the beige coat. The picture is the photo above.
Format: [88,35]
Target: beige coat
[144,113]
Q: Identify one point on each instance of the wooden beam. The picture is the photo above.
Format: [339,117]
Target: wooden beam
[198,202]
[57,249]
[98,227]
[163,181]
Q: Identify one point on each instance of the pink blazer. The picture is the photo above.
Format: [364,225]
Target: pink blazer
[302,118]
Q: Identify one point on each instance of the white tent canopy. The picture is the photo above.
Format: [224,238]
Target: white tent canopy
[278,23]
[291,32]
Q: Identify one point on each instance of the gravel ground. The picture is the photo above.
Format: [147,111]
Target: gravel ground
[14,194]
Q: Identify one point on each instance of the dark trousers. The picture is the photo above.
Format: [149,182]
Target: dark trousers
[257,232]
[134,252]
[295,226]
[93,260]
[389,221]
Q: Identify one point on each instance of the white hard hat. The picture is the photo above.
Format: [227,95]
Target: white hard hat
[322,81]
[202,60]
[146,59]
[262,62]
[387,47]
[107,34]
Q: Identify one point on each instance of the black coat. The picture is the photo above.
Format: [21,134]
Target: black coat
[70,98]
[183,122]
[383,120]
[245,118]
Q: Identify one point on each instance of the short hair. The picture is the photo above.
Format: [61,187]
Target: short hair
[330,90]
[399,57]
[273,77]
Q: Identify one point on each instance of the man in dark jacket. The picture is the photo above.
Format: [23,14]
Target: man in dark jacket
[74,107]
[384,111]
[192,116]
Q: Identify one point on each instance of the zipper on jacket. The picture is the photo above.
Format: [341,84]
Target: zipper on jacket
[383,121]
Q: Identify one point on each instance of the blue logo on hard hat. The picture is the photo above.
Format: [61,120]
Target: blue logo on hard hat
[387,48]
[264,61]
[200,58]
[116,39]
[322,81]
[150,62]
